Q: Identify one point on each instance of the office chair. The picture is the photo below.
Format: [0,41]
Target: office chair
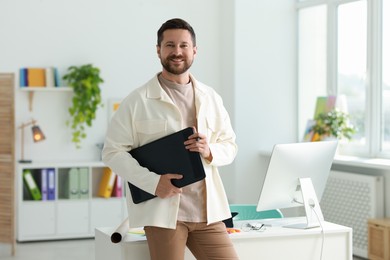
[248,212]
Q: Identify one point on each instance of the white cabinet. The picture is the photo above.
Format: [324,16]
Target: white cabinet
[67,214]
[73,217]
[39,219]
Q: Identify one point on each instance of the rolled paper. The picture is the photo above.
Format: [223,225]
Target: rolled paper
[120,232]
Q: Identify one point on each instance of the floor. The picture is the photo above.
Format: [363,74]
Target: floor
[83,249]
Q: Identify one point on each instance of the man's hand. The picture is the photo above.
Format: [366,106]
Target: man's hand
[197,142]
[165,188]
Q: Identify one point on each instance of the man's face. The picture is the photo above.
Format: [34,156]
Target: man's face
[176,51]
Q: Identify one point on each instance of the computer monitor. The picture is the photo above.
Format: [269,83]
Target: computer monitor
[296,176]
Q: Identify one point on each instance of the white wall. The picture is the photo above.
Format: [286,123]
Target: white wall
[265,87]
[117,36]
[246,51]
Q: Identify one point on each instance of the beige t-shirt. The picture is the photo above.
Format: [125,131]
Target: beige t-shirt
[193,198]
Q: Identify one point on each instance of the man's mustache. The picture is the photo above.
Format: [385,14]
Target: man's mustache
[176,57]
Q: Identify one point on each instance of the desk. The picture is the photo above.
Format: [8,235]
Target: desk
[275,243]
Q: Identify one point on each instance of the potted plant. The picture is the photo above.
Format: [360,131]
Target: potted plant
[85,81]
[333,124]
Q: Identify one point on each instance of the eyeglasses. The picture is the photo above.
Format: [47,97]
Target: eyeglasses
[253,226]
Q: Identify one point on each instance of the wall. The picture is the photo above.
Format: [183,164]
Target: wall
[246,51]
[265,87]
[117,36]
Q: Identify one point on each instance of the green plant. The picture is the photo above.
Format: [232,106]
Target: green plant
[85,81]
[334,124]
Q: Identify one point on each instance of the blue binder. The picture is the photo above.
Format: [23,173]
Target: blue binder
[51,184]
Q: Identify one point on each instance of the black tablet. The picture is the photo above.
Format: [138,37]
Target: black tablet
[168,155]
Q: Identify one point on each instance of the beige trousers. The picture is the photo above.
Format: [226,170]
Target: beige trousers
[206,242]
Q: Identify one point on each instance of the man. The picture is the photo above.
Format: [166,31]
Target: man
[173,100]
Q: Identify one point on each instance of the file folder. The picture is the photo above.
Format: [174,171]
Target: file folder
[31,185]
[83,183]
[73,184]
[117,191]
[50,184]
[168,155]
[44,184]
[106,183]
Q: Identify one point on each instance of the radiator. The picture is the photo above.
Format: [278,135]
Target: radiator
[350,199]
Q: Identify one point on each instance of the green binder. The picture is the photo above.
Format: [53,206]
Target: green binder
[84,183]
[73,184]
[31,185]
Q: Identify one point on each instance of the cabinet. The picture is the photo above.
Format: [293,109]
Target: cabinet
[65,216]
[379,239]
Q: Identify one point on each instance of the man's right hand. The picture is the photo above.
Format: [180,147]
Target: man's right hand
[165,188]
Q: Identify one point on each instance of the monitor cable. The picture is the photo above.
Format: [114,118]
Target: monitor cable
[322,230]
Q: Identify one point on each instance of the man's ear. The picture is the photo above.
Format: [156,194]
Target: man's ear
[158,51]
[195,50]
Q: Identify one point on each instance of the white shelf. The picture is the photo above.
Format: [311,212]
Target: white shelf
[62,217]
[32,90]
[45,89]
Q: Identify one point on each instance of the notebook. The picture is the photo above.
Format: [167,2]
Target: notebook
[168,155]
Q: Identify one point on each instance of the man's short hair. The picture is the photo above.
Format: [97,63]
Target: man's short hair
[175,23]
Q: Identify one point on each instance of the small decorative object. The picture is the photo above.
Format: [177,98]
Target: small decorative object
[85,81]
[334,123]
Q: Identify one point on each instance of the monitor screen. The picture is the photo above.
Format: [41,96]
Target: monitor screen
[289,164]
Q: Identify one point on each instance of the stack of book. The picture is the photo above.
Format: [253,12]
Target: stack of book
[39,77]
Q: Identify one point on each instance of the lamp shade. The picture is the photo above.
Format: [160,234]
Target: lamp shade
[37,134]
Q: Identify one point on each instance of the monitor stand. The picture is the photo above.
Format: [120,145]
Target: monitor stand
[311,204]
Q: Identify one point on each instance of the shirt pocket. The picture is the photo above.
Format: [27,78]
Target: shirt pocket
[150,130]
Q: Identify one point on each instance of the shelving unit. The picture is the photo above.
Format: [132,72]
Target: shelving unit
[65,218]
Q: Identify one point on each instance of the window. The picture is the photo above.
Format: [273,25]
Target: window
[352,62]
[352,39]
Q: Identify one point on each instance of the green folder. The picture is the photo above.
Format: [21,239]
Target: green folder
[73,181]
[31,185]
[84,183]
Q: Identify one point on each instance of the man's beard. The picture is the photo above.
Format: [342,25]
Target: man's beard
[176,70]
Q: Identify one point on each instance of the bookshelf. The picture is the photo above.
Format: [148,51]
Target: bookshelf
[39,79]
[65,216]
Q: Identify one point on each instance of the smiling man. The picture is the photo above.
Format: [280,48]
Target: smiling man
[171,101]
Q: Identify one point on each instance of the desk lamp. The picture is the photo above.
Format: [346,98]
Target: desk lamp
[37,137]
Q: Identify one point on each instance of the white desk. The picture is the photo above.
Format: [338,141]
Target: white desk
[274,243]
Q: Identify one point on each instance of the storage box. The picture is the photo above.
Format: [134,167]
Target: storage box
[379,239]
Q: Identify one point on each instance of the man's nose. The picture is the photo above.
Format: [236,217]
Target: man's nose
[177,50]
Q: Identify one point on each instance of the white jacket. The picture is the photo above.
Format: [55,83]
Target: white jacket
[148,114]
